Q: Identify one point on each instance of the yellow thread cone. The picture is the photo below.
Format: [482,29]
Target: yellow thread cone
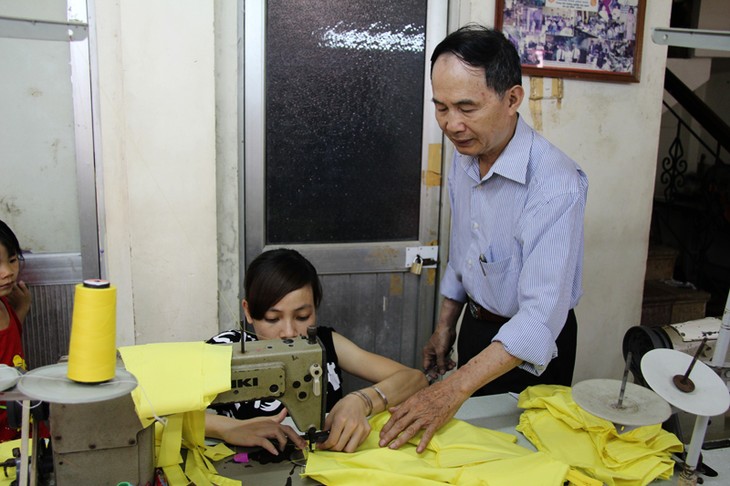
[92,351]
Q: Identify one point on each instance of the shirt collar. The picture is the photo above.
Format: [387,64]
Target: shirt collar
[512,162]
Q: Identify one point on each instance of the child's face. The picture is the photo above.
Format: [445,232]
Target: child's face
[288,318]
[9,269]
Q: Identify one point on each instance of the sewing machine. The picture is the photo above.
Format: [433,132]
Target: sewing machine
[105,443]
[290,370]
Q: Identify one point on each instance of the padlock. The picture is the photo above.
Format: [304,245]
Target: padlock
[417,265]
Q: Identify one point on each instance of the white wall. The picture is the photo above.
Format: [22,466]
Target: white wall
[158,150]
[167,113]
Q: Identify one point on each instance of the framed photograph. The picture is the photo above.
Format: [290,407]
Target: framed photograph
[589,39]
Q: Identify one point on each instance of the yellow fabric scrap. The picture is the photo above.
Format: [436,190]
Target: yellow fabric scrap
[178,381]
[176,377]
[555,424]
[460,454]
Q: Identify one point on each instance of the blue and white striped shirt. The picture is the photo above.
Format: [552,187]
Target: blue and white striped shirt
[516,244]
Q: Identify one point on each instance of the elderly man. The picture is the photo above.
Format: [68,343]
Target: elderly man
[516,245]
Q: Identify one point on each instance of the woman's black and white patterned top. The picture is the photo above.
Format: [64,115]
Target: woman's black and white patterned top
[259,408]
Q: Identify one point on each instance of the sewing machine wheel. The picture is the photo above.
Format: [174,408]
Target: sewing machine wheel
[640,340]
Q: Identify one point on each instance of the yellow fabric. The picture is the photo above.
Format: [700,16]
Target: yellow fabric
[7,476]
[176,377]
[459,453]
[178,381]
[556,425]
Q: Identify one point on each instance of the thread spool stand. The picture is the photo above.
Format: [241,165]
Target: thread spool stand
[52,384]
[91,373]
[709,396]
[621,402]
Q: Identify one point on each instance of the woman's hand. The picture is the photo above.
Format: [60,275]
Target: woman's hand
[253,432]
[348,425]
[20,299]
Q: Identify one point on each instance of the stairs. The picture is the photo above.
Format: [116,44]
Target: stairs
[667,301]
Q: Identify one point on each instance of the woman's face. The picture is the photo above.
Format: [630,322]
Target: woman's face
[9,270]
[288,318]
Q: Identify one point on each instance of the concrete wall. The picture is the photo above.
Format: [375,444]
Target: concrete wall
[38,163]
[167,78]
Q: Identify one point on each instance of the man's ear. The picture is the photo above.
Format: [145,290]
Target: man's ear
[515,95]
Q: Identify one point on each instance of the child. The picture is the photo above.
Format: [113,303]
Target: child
[14,306]
[282,293]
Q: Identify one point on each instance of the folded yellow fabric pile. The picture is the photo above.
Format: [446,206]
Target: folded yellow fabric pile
[459,453]
[555,424]
[177,382]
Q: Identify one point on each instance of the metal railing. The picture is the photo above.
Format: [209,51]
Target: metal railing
[694,214]
[674,165]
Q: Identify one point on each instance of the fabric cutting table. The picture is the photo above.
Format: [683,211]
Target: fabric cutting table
[496,412]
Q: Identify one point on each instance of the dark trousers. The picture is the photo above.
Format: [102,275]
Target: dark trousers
[475,335]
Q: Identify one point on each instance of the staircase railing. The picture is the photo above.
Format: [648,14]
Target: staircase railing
[695,210]
[674,165]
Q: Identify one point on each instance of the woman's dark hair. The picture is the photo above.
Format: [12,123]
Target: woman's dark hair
[9,241]
[275,273]
[484,48]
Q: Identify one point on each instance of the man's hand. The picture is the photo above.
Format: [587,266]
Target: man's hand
[427,410]
[432,407]
[436,353]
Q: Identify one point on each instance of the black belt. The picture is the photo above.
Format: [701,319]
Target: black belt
[481,314]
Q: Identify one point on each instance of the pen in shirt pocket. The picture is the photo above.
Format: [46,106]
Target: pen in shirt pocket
[486,259]
[482,261]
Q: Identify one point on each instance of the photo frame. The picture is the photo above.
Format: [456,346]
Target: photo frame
[597,40]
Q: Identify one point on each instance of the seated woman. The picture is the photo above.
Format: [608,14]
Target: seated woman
[282,293]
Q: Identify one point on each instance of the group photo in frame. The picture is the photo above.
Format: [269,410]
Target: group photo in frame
[590,39]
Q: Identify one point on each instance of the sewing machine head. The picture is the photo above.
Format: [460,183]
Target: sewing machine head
[289,370]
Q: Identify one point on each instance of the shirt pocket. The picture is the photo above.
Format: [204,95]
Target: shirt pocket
[500,284]
[497,268]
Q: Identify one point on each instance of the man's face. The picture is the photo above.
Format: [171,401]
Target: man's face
[471,115]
